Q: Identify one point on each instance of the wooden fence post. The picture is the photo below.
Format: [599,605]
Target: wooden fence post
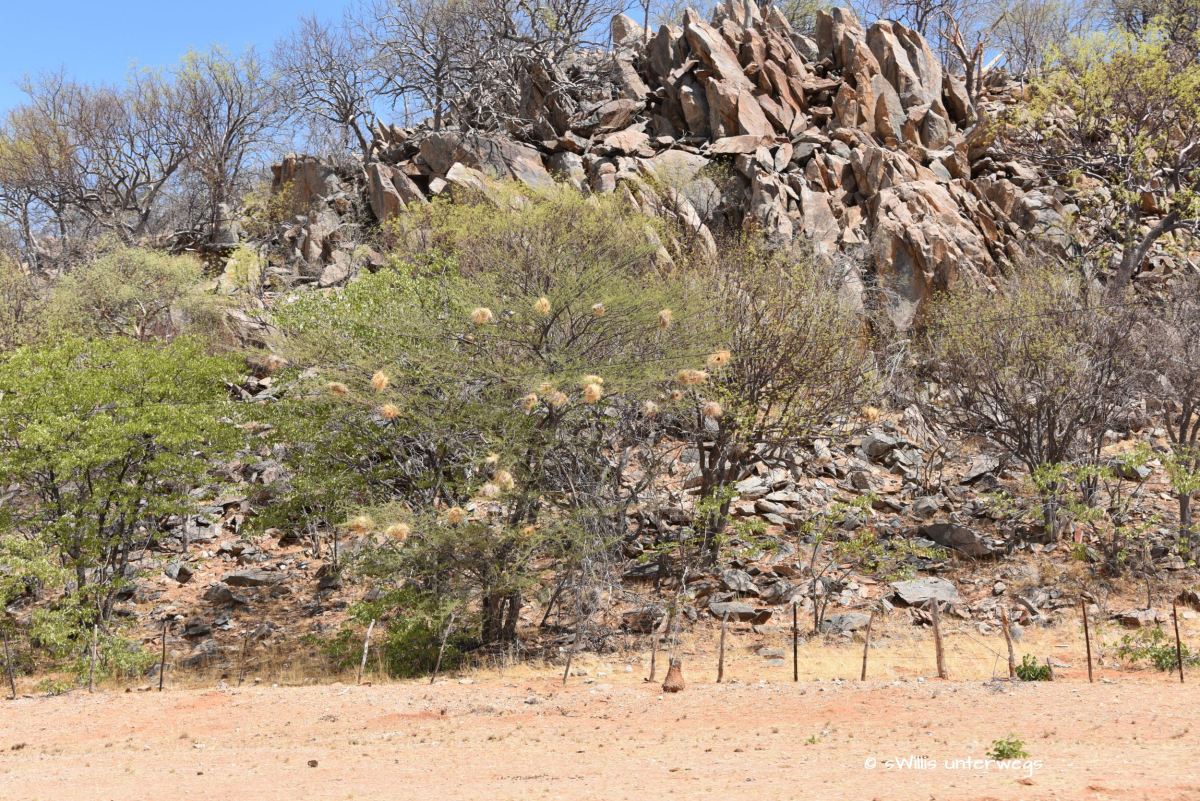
[162,664]
[721,657]
[366,647]
[866,645]
[1087,637]
[795,643]
[12,682]
[655,634]
[937,639]
[92,667]
[1012,659]
[242,665]
[1178,643]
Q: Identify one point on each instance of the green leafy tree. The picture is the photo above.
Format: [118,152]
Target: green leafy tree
[137,293]
[486,401]
[1117,114]
[104,438]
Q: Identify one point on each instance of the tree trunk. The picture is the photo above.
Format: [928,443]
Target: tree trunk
[1185,510]
[1132,257]
[493,617]
[512,617]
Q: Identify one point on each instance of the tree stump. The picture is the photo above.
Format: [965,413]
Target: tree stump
[674,681]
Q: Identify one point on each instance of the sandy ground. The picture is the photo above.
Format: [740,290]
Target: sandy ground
[525,736]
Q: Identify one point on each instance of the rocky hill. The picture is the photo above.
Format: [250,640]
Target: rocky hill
[858,141]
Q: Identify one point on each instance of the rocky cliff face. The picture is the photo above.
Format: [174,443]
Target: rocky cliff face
[858,141]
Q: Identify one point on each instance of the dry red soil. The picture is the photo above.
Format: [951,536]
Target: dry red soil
[1137,738]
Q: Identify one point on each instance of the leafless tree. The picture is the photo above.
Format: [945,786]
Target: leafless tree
[231,112]
[476,61]
[323,72]
[424,51]
[797,366]
[1029,367]
[90,159]
[1027,28]
[1171,369]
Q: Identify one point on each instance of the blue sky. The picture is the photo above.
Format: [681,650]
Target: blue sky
[96,40]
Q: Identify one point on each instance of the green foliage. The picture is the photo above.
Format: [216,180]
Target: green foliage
[1121,108]
[243,271]
[137,293]
[105,438]
[1010,747]
[836,553]
[1101,498]
[493,375]
[19,304]
[1183,470]
[1154,646]
[1030,670]
[414,634]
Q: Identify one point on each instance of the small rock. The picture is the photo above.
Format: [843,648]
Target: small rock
[877,445]
[740,582]
[958,538]
[252,578]
[736,611]
[926,507]
[179,572]
[846,621]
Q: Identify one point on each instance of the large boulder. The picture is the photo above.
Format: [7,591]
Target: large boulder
[385,199]
[305,179]
[920,243]
[492,156]
[917,592]
[626,32]
[957,538]
[908,63]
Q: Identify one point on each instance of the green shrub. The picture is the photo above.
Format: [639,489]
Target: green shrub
[497,369]
[1030,670]
[138,293]
[411,637]
[1011,747]
[1156,647]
